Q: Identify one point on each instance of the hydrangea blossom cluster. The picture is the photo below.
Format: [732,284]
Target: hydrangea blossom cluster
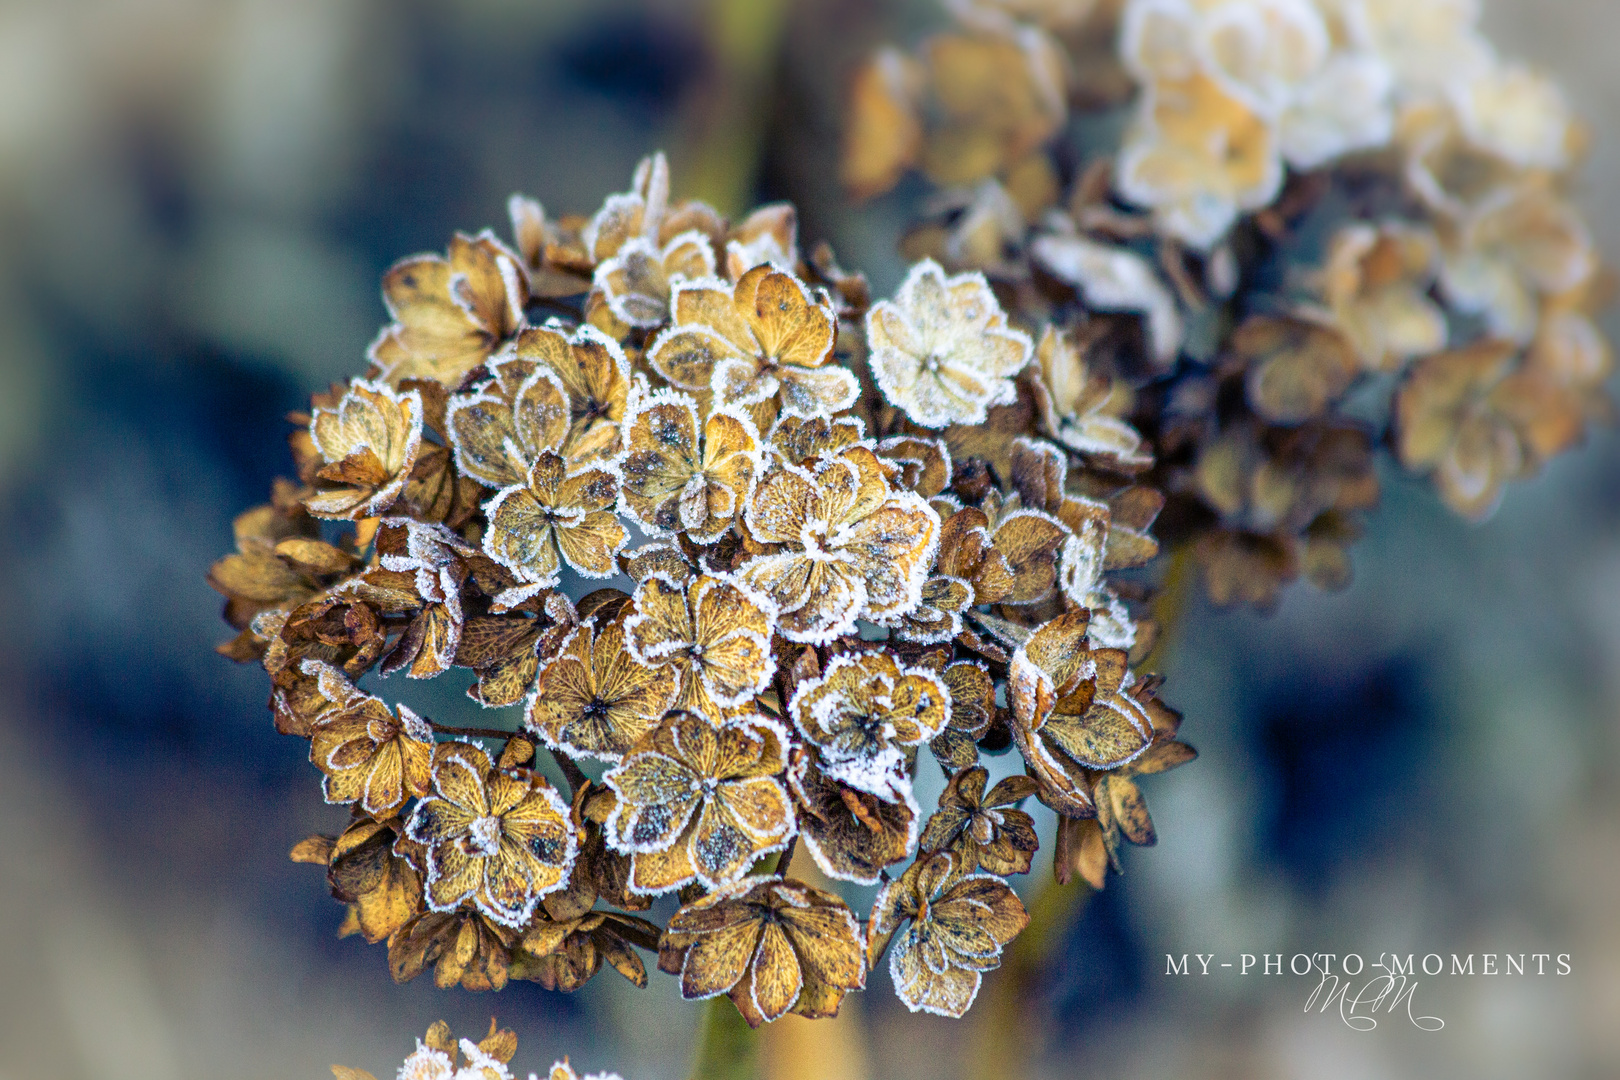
[738,550]
[1275,235]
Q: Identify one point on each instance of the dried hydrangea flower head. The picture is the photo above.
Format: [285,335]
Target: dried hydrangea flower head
[844,563]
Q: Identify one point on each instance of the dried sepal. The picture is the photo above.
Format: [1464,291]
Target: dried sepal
[368,755]
[1073,710]
[700,800]
[369,441]
[764,338]
[503,426]
[848,546]
[450,312]
[866,715]
[983,828]
[959,923]
[678,474]
[1081,407]
[564,953]
[594,374]
[594,698]
[463,947]
[852,835]
[713,631]
[775,946]
[500,838]
[557,516]
[637,280]
[366,870]
[942,349]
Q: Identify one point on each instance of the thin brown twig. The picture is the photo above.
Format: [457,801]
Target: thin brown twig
[786,857]
[475,732]
[571,772]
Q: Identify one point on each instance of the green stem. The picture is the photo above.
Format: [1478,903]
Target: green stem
[1005,1042]
[727,1048]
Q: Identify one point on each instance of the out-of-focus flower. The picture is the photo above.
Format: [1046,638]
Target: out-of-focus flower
[1516,114]
[977,101]
[775,946]
[1297,368]
[1465,416]
[959,923]
[1198,157]
[884,136]
[1376,283]
[942,349]
[1112,279]
[500,838]
[1500,263]
[1431,45]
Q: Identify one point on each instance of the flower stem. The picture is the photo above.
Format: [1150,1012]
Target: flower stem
[1004,1041]
[727,1048]
[471,732]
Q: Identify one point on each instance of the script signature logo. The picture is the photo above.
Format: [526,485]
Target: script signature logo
[1359,1005]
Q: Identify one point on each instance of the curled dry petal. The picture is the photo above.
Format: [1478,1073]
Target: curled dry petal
[852,834]
[959,923]
[1072,711]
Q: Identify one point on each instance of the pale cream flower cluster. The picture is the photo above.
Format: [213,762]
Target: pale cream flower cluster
[1235,92]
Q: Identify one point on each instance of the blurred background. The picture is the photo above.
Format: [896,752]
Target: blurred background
[197,198]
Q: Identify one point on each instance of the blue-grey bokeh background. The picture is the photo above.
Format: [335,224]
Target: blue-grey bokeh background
[196,200]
